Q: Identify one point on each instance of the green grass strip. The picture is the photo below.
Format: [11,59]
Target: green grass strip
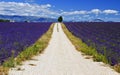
[37,48]
[87,50]
[81,46]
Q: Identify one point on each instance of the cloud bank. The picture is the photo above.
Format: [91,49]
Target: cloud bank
[26,9]
[109,11]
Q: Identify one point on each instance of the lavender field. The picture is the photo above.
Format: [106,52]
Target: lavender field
[104,36]
[18,36]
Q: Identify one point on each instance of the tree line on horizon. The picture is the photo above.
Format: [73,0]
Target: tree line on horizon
[3,20]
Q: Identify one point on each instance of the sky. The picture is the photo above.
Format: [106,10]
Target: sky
[71,10]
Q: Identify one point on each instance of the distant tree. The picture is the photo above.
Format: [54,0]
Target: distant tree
[60,19]
[2,20]
[26,21]
[7,20]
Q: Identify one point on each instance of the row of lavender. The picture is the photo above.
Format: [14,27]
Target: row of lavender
[105,37]
[18,36]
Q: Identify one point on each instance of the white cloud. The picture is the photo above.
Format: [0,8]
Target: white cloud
[82,12]
[109,11]
[46,6]
[14,8]
[95,11]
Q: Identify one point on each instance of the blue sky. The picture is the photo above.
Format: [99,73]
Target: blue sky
[78,10]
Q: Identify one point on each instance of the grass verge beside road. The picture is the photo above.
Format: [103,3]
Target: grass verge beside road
[87,50]
[37,48]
